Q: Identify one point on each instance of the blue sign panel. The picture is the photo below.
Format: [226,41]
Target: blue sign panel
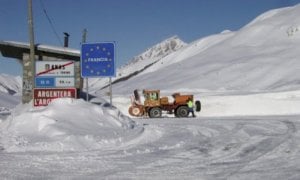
[44,81]
[98,59]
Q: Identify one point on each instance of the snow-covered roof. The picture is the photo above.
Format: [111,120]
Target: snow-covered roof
[15,49]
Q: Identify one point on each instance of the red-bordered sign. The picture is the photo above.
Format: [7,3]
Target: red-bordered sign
[43,96]
[54,68]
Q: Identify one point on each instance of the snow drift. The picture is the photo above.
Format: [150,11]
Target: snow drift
[66,125]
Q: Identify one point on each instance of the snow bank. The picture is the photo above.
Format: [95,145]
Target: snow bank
[249,104]
[66,125]
[261,104]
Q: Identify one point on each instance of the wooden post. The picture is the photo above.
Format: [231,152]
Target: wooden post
[29,61]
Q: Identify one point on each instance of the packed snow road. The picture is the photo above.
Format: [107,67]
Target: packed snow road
[173,148]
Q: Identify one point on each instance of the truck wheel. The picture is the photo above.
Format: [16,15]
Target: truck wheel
[182,111]
[155,112]
[135,111]
[198,106]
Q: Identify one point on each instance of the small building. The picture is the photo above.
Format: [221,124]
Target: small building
[21,51]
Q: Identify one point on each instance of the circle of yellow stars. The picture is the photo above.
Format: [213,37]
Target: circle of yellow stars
[103,70]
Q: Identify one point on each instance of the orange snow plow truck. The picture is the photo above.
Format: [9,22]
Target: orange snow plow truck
[153,104]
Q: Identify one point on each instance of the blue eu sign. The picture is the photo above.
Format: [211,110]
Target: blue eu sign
[98,59]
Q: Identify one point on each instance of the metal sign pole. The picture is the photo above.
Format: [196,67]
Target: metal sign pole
[86,79]
[87,89]
[110,91]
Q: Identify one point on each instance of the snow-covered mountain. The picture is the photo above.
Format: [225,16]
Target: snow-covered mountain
[142,61]
[10,91]
[160,50]
[10,84]
[262,56]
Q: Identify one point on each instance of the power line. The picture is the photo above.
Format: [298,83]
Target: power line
[51,23]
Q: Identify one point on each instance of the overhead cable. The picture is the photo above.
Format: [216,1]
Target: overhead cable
[51,23]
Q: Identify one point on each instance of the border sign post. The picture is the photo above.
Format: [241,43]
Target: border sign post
[98,60]
[53,79]
[43,96]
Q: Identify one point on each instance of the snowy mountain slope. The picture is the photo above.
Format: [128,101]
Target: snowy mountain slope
[159,50]
[10,84]
[10,91]
[262,56]
[8,101]
[141,62]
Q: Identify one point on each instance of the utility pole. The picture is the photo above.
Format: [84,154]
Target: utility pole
[29,62]
[86,79]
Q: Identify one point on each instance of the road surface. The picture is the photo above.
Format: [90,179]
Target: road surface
[173,148]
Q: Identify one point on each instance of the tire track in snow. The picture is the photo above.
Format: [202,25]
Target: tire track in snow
[228,152]
[262,148]
[148,134]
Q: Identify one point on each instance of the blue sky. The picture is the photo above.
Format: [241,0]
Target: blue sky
[135,25]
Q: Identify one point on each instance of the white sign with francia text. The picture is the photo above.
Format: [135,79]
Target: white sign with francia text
[54,68]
